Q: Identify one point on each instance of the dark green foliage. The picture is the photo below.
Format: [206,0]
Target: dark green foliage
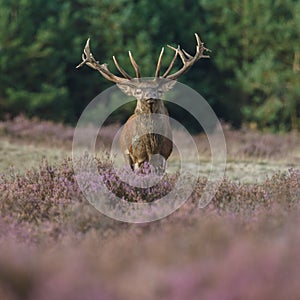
[256,49]
[252,76]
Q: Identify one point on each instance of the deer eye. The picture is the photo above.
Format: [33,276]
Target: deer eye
[138,91]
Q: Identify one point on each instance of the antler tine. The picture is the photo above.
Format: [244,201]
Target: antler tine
[200,48]
[187,59]
[121,70]
[159,62]
[88,59]
[86,54]
[187,54]
[172,62]
[135,65]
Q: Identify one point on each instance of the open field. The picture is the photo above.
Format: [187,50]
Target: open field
[250,158]
[55,245]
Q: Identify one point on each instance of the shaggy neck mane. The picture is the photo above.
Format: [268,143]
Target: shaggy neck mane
[143,107]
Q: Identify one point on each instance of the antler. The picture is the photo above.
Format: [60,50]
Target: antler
[187,59]
[88,59]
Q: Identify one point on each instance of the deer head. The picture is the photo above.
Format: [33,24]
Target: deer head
[146,137]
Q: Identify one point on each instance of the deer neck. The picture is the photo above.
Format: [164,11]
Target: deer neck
[156,107]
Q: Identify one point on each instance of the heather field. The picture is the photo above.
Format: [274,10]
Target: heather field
[54,245]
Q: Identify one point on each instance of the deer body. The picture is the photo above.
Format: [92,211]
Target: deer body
[156,145]
[147,135]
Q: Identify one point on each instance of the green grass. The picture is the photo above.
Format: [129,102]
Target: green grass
[22,156]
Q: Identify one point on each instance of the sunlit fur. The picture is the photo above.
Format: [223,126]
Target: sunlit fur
[150,116]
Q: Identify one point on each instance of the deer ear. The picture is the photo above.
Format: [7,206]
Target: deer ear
[168,85]
[127,89]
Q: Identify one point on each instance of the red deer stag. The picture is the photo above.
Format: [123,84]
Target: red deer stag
[146,136]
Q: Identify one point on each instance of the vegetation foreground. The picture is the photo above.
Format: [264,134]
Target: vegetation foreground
[55,245]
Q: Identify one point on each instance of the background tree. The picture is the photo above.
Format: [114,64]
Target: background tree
[257,53]
[252,76]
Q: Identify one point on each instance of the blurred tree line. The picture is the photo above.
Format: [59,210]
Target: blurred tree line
[252,77]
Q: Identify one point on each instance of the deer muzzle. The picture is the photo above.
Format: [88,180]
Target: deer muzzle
[151,101]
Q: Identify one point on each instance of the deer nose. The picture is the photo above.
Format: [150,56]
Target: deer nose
[150,101]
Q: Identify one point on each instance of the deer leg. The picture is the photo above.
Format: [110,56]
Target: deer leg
[129,161]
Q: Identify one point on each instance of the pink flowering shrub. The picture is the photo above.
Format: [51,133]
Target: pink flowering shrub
[48,133]
[55,245]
